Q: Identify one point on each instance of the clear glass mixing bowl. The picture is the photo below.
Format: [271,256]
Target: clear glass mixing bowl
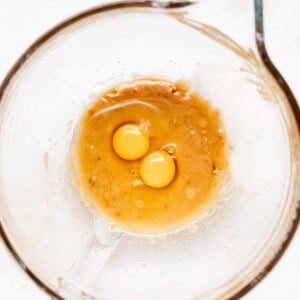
[72,254]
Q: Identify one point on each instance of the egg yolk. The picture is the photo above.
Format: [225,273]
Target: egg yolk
[130,142]
[158,169]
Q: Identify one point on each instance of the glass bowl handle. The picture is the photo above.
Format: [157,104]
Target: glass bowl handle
[81,278]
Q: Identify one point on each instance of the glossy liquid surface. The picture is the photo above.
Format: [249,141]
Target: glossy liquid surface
[177,121]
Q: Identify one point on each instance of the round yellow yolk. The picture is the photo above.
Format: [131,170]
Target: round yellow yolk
[158,169]
[130,142]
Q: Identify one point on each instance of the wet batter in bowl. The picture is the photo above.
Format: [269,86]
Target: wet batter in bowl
[149,155]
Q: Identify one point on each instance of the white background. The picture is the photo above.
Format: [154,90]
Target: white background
[22,21]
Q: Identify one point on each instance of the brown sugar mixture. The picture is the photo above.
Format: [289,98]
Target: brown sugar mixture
[179,124]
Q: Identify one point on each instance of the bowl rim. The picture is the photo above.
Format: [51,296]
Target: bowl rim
[260,43]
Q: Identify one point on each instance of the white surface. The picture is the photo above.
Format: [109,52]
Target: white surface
[21,22]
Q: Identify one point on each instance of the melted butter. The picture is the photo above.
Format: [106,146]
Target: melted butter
[177,121]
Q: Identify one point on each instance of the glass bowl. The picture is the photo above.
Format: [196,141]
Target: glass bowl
[71,253]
